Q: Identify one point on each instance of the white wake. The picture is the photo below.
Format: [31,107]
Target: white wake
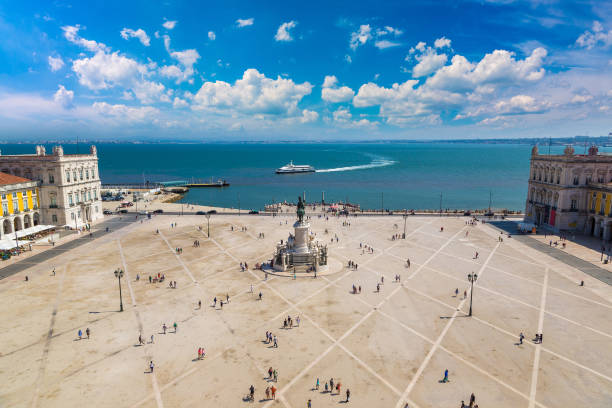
[374,163]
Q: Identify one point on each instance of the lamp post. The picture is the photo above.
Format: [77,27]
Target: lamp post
[239,204]
[119,275]
[472,278]
[208,222]
[405,216]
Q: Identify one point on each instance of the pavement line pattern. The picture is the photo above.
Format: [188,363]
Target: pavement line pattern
[125,269]
[43,359]
[538,350]
[178,258]
[440,338]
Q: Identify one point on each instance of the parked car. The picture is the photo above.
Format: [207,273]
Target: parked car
[124,211]
[467,213]
[107,212]
[212,212]
[253,212]
[201,213]
[158,211]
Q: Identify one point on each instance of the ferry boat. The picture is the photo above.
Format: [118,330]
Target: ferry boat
[295,168]
[218,183]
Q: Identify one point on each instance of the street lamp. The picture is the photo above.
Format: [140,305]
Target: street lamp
[405,215]
[208,222]
[472,278]
[119,275]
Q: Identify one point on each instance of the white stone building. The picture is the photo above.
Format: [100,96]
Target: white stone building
[571,192]
[69,184]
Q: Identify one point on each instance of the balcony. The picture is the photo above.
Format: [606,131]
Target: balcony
[53,206]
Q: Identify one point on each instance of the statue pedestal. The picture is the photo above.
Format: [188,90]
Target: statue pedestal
[301,237]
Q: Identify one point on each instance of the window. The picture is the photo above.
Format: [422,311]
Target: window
[574,205]
[54,219]
[4,196]
[576,180]
[93,173]
[68,176]
[602,206]
[74,175]
[593,201]
[5,210]
[70,199]
[15,205]
[53,200]
[87,174]
[25,204]
[588,179]
[95,194]
[72,216]
[51,178]
[88,195]
[558,177]
[81,174]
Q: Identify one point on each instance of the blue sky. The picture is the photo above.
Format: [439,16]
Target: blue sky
[245,70]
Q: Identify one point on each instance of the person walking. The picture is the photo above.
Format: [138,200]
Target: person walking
[309,404]
[348,395]
[273,390]
[267,393]
[445,379]
[472,400]
[331,386]
[87,332]
[152,339]
[80,333]
[151,366]
[275,343]
[521,337]
[260,295]
[317,385]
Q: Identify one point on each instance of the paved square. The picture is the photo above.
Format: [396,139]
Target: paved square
[389,347]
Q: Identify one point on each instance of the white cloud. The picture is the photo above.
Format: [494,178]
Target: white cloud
[429,62]
[388,30]
[254,93]
[245,22]
[169,25]
[598,36]
[334,94]
[383,44]
[442,42]
[283,34]
[104,71]
[212,36]
[419,47]
[498,67]
[309,116]
[520,104]
[348,58]
[64,97]
[124,112]
[179,103]
[128,33]
[71,33]
[187,60]
[342,115]
[581,98]
[360,37]
[55,63]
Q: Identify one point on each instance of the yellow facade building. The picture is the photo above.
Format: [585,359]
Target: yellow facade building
[19,204]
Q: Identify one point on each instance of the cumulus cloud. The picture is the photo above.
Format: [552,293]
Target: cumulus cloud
[184,71]
[384,44]
[212,36]
[283,34]
[309,116]
[581,98]
[55,63]
[169,25]
[348,58]
[71,33]
[334,94]
[64,97]
[520,104]
[388,30]
[442,42]
[597,36]
[124,112]
[361,36]
[498,67]
[108,70]
[342,114]
[429,62]
[128,33]
[245,22]
[179,103]
[254,93]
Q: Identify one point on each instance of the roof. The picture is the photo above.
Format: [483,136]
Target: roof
[10,179]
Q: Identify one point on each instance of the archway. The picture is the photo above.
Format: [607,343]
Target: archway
[591,226]
[18,224]
[36,219]
[7,226]
[27,221]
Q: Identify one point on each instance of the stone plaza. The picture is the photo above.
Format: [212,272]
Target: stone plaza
[390,346]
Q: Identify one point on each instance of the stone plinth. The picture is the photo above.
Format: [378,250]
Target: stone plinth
[300,245]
